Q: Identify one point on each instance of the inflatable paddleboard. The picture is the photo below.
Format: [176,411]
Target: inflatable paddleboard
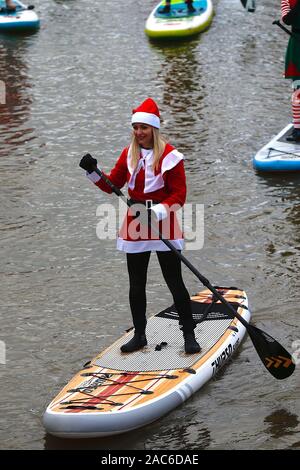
[179,22]
[22,19]
[279,154]
[117,392]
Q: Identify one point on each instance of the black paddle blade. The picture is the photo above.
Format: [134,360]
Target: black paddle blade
[249,5]
[275,358]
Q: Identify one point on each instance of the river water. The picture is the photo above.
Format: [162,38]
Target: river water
[70,89]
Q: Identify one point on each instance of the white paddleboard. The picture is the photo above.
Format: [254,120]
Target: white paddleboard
[19,20]
[279,154]
[117,392]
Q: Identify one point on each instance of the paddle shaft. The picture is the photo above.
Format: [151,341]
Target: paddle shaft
[201,278]
[277,360]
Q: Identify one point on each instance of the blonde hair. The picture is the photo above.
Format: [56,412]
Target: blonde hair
[159,143]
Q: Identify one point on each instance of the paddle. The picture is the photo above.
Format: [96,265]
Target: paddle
[275,358]
[24,7]
[249,5]
[277,22]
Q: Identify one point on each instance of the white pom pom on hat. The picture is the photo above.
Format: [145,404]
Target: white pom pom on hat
[147,113]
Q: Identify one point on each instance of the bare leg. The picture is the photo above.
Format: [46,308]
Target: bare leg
[189,4]
[10,5]
[166,8]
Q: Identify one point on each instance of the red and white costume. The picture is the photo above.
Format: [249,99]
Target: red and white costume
[166,186]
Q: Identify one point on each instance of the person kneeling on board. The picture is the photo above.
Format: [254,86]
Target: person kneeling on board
[154,171]
[290,13]
[167,7]
[10,6]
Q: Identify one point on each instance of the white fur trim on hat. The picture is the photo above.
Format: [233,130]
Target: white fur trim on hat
[146,118]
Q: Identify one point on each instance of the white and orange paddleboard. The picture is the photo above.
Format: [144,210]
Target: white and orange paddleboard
[118,392]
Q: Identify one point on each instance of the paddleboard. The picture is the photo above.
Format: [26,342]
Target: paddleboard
[179,22]
[21,19]
[117,392]
[279,154]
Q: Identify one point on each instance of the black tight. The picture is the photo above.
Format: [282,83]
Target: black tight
[137,264]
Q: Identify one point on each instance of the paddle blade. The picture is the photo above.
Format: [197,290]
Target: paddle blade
[249,5]
[277,360]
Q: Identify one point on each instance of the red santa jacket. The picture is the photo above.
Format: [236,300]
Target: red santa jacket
[165,186]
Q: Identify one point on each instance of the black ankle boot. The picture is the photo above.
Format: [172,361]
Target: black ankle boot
[190,344]
[136,343]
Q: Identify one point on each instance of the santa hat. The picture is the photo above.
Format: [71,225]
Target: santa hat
[147,113]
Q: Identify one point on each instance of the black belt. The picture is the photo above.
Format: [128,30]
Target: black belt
[148,203]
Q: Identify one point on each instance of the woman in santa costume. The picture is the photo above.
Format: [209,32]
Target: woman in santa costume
[290,13]
[154,173]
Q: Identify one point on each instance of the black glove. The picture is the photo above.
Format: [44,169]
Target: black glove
[88,163]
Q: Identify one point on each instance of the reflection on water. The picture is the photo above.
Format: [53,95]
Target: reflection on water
[284,218]
[183,93]
[190,435]
[14,129]
[293,216]
[281,423]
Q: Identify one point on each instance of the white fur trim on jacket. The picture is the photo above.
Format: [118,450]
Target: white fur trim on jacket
[94,177]
[171,160]
[147,245]
[152,182]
